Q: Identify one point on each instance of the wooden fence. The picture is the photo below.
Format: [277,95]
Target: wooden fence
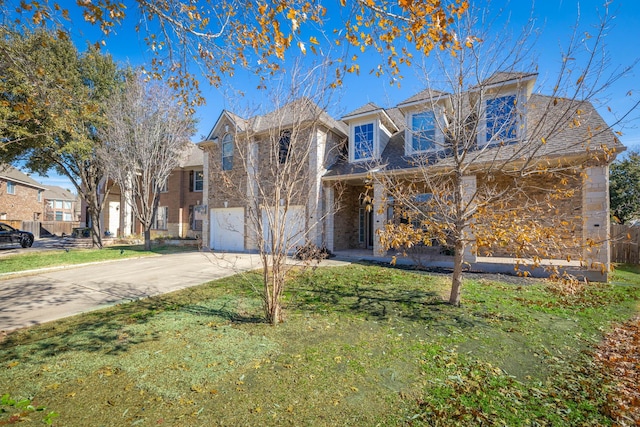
[44,228]
[624,243]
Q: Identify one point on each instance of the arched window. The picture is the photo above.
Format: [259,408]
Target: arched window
[227,152]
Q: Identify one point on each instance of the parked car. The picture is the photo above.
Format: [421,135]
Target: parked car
[10,236]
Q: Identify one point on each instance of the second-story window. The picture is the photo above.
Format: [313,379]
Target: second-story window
[198,180]
[227,152]
[501,119]
[11,187]
[39,195]
[283,145]
[423,131]
[363,141]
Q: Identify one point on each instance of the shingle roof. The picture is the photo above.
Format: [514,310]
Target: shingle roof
[194,158]
[543,113]
[12,174]
[54,192]
[298,111]
[502,77]
[367,108]
[424,95]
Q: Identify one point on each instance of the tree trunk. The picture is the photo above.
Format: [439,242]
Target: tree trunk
[147,239]
[96,236]
[273,278]
[456,278]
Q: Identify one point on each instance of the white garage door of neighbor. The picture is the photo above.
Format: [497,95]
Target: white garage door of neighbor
[227,229]
[294,228]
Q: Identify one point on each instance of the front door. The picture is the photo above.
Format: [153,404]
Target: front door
[366,227]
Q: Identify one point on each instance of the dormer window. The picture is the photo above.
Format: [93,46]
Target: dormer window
[501,120]
[363,141]
[423,133]
[227,152]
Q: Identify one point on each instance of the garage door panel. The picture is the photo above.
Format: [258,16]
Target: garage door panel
[227,229]
[294,227]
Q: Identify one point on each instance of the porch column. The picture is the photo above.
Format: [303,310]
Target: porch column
[469,186]
[126,225]
[252,209]
[329,213]
[379,217]
[205,238]
[314,200]
[595,211]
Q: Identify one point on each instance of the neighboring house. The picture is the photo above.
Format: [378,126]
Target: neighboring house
[59,204]
[179,207]
[339,174]
[21,197]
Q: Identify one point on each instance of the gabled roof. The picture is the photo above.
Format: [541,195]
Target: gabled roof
[12,174]
[54,192]
[504,78]
[237,121]
[371,109]
[566,141]
[299,111]
[367,108]
[422,97]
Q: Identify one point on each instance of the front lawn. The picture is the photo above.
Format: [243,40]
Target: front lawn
[361,345]
[71,256]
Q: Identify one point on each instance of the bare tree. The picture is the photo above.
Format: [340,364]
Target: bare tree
[146,137]
[494,168]
[271,165]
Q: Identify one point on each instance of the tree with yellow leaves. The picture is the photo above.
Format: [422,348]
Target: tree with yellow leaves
[494,169]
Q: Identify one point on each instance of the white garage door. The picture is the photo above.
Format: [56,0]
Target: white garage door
[294,227]
[227,229]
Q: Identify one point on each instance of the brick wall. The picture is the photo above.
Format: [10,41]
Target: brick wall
[23,205]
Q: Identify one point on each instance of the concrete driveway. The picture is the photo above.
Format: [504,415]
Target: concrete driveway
[56,293]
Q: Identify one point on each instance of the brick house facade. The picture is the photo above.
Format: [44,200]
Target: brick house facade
[179,206]
[21,197]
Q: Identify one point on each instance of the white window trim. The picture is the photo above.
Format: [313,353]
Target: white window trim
[222,156]
[376,141]
[195,174]
[13,187]
[154,225]
[521,121]
[439,136]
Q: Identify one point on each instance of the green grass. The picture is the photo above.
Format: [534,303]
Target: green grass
[53,258]
[361,345]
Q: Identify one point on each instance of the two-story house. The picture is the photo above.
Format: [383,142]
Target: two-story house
[503,122]
[242,160]
[60,204]
[179,206]
[21,197]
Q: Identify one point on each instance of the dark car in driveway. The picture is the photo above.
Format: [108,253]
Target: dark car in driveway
[10,236]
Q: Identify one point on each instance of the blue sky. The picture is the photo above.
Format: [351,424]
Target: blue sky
[555,19]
